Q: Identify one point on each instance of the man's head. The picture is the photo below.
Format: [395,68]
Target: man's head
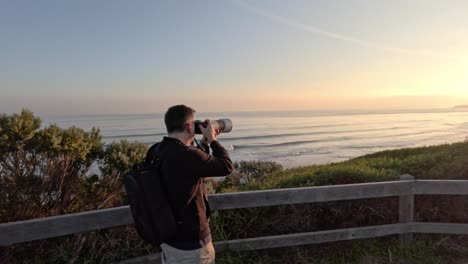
[179,120]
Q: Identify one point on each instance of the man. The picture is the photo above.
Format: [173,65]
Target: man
[183,169]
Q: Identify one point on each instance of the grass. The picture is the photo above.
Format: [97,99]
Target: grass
[436,162]
[370,251]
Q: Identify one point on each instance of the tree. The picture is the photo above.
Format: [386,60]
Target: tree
[55,170]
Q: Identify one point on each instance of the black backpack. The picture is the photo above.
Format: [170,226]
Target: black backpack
[147,196]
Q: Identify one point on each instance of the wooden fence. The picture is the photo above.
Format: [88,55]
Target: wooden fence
[405,189]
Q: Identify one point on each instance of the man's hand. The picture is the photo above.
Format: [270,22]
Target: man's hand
[209,133]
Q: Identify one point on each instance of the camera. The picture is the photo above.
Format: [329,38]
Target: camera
[224,125]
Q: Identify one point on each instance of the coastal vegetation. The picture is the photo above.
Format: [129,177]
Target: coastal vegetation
[435,162]
[49,170]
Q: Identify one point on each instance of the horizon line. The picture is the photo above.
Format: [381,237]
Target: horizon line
[354,111]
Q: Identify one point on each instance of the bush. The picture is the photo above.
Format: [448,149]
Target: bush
[51,171]
[248,171]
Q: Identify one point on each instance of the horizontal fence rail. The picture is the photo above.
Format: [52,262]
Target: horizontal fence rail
[406,188]
[55,226]
[322,237]
[441,187]
[309,195]
[294,240]
[48,227]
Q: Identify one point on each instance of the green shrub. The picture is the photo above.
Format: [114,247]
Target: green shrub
[50,171]
[248,171]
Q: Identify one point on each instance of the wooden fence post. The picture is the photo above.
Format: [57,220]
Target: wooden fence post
[406,208]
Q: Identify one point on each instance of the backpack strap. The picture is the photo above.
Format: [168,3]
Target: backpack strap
[150,154]
[153,157]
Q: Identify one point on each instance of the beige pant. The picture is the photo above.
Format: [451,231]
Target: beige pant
[204,255]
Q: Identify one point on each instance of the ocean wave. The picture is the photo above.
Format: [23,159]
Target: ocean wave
[412,134]
[292,143]
[310,133]
[378,146]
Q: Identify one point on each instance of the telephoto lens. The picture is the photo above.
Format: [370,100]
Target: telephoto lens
[224,125]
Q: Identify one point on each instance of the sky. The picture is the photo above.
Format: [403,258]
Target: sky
[94,57]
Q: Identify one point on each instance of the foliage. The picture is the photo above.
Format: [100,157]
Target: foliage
[436,162]
[51,170]
[119,157]
[247,171]
[42,169]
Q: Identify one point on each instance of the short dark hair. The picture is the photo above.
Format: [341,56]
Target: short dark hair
[176,117]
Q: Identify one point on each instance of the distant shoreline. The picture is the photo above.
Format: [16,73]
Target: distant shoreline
[460,107]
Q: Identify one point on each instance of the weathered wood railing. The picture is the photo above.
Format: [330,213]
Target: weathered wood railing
[405,189]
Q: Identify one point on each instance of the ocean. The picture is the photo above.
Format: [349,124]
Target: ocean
[296,138]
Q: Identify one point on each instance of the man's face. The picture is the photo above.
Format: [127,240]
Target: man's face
[190,127]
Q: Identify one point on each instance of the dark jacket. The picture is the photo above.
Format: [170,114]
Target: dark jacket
[183,169]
